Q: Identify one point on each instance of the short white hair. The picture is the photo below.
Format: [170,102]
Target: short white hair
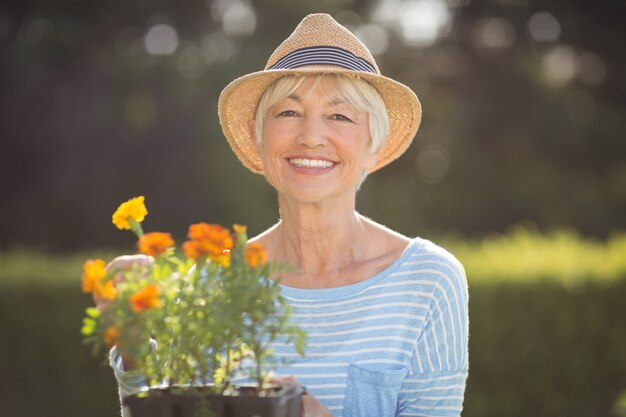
[354,91]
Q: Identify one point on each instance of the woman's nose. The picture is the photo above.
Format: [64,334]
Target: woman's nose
[312,133]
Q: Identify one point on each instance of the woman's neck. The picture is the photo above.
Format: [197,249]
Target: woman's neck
[320,241]
[329,245]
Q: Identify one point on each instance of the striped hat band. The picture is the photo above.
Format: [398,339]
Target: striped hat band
[323,55]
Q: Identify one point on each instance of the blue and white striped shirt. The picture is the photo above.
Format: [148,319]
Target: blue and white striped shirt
[392,345]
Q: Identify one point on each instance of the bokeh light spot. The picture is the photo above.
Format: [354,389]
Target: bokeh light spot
[544,27]
[494,33]
[217,48]
[423,22]
[420,23]
[432,163]
[161,39]
[374,37]
[239,19]
[559,66]
[350,20]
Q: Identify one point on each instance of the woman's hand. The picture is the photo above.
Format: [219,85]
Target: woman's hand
[311,406]
[118,266]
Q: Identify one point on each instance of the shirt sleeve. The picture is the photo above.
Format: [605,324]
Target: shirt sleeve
[128,382]
[438,369]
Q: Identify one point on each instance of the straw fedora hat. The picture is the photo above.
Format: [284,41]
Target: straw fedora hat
[318,45]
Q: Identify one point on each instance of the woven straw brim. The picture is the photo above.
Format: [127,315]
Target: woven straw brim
[238,102]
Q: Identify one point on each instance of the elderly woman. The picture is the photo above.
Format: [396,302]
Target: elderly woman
[386,315]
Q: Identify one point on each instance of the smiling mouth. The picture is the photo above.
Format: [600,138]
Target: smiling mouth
[310,163]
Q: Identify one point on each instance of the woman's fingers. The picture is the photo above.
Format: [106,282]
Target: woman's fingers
[311,406]
[101,303]
[125,262]
[118,266]
[286,380]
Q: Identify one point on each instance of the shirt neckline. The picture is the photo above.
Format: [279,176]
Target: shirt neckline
[343,291]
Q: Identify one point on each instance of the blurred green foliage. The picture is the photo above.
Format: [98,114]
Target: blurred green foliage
[537,349]
[523,255]
[46,370]
[514,129]
[547,329]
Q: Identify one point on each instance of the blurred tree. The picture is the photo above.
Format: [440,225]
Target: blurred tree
[523,114]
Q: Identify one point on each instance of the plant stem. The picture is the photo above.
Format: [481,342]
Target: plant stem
[227,371]
[259,373]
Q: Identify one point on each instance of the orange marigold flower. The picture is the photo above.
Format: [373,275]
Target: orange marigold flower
[211,240]
[111,335]
[146,298]
[93,272]
[106,291]
[191,249]
[255,255]
[155,243]
[132,209]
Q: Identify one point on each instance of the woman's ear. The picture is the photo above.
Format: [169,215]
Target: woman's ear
[252,131]
[371,159]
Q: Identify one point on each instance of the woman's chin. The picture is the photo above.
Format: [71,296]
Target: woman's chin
[309,195]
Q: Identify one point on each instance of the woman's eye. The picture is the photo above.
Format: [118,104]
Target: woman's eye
[287,113]
[341,117]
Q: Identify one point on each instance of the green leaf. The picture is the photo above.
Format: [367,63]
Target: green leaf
[93,312]
[86,330]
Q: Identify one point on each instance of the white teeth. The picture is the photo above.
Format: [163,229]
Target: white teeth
[310,163]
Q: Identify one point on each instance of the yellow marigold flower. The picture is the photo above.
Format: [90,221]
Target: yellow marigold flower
[210,240]
[111,335]
[146,298]
[255,255]
[106,291]
[155,243]
[132,209]
[93,272]
[223,259]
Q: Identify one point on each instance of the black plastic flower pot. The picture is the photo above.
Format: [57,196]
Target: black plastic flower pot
[244,402]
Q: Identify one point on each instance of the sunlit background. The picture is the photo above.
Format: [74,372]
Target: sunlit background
[523,114]
[523,133]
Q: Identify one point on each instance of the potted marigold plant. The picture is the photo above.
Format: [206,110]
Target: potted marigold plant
[210,311]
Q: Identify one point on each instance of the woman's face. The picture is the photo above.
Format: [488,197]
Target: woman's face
[315,146]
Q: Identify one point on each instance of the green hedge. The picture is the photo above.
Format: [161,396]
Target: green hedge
[547,330]
[45,369]
[547,323]
[539,350]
